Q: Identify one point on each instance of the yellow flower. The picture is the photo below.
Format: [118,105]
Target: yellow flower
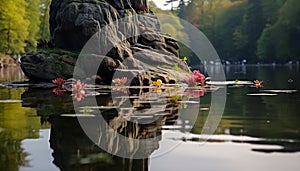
[157,83]
[185,59]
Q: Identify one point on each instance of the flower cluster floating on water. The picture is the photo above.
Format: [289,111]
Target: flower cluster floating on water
[258,83]
[196,78]
[120,81]
[77,87]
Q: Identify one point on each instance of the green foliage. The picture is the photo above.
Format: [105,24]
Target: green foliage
[256,30]
[264,47]
[14,26]
[280,39]
[172,25]
[22,23]
[44,18]
[230,38]
[32,15]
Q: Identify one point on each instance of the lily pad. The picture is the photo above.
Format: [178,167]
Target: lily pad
[129,70]
[280,91]
[101,107]
[262,94]
[171,127]
[204,109]
[10,101]
[93,93]
[141,117]
[189,102]
[225,83]
[77,115]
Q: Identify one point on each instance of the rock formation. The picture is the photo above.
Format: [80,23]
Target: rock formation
[133,35]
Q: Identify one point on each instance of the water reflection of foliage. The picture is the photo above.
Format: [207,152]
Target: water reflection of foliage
[15,125]
[11,74]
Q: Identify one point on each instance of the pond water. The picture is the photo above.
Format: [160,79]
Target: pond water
[255,133]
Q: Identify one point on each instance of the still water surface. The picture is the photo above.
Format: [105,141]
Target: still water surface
[256,132]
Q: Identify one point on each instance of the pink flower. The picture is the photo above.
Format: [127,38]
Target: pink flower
[78,86]
[258,83]
[190,81]
[78,96]
[120,81]
[198,77]
[195,93]
[78,90]
[59,81]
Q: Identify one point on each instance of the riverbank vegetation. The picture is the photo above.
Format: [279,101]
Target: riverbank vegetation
[22,24]
[255,30]
[252,30]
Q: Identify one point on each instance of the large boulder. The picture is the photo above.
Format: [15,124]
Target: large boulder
[73,22]
[125,36]
[46,66]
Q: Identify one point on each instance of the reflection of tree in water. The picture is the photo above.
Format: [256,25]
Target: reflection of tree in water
[12,156]
[72,148]
[15,126]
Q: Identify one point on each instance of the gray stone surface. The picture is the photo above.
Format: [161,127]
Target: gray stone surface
[74,22]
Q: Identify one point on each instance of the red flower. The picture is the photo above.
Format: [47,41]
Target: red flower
[59,81]
[258,84]
[58,91]
[198,77]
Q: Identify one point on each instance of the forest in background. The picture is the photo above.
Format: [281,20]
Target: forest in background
[22,24]
[255,30]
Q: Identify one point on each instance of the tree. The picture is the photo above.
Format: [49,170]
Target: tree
[181,9]
[230,37]
[33,16]
[265,51]
[13,26]
[44,18]
[254,25]
[288,25]
[281,37]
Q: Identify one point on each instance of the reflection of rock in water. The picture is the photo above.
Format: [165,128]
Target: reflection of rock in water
[47,103]
[74,150]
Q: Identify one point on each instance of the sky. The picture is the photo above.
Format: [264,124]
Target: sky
[160,4]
